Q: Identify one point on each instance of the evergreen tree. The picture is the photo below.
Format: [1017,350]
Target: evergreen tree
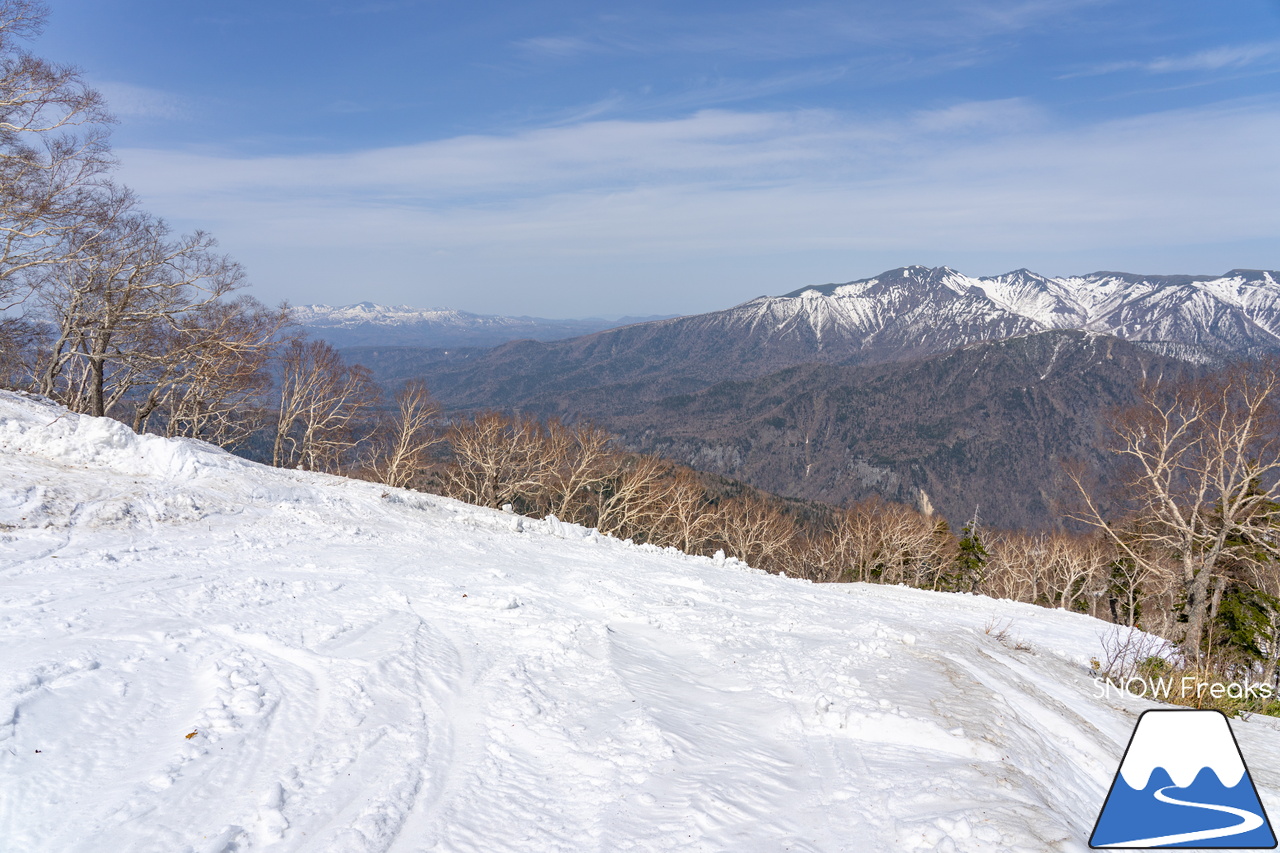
[969,566]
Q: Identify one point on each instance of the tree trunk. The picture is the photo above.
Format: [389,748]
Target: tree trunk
[145,410]
[1198,601]
[1219,584]
[96,379]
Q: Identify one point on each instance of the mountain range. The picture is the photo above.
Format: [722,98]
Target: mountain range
[369,323]
[898,315]
[919,384]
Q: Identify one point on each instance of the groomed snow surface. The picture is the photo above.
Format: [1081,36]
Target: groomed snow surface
[368,669]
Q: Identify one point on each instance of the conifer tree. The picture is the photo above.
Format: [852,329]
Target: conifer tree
[970,560]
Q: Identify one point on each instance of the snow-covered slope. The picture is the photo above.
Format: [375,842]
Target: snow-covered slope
[202,654]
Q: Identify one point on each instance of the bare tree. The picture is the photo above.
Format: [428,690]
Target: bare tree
[53,151]
[818,556]
[892,543]
[856,546]
[652,501]
[753,531]
[409,436]
[498,460]
[114,304]
[124,314]
[322,399]
[210,371]
[630,505]
[1202,481]
[1053,569]
[688,517]
[18,340]
[1014,571]
[582,462]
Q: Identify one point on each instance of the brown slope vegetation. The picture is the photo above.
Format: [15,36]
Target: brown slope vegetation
[984,428]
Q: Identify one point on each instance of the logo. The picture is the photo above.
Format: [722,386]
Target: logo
[1183,783]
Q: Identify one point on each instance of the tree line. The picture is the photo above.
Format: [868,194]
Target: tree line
[1184,544]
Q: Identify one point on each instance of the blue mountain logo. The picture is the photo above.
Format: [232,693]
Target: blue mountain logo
[1183,783]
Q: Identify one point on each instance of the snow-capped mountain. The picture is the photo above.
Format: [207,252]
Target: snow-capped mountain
[205,654]
[900,314]
[371,324]
[344,316]
[1234,312]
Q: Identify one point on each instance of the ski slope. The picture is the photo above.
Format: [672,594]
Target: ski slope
[198,653]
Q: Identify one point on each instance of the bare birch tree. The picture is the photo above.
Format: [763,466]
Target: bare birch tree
[409,435]
[322,400]
[688,517]
[211,371]
[53,151]
[498,460]
[753,531]
[127,286]
[1202,481]
[582,461]
[648,500]
[891,543]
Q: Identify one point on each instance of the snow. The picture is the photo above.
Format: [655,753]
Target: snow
[1126,306]
[387,315]
[204,654]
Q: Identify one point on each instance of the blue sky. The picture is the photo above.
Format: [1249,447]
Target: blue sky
[567,159]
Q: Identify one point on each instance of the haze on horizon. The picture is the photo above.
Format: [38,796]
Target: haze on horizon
[556,160]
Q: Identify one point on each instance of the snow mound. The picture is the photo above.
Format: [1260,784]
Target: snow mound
[38,427]
[203,654]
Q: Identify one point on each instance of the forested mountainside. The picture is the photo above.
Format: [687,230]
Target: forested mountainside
[983,428]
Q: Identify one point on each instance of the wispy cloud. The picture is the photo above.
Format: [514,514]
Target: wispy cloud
[1213,59]
[140,102]
[1010,115]
[803,31]
[718,91]
[733,186]
[564,46]
[1013,15]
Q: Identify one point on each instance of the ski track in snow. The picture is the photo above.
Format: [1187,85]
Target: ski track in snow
[368,669]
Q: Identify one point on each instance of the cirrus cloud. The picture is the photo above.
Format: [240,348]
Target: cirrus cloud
[737,187]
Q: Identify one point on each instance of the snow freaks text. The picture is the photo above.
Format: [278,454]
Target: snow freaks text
[1186,687]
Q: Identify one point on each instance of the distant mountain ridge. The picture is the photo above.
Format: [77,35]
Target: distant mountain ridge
[371,324]
[901,314]
[1235,311]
